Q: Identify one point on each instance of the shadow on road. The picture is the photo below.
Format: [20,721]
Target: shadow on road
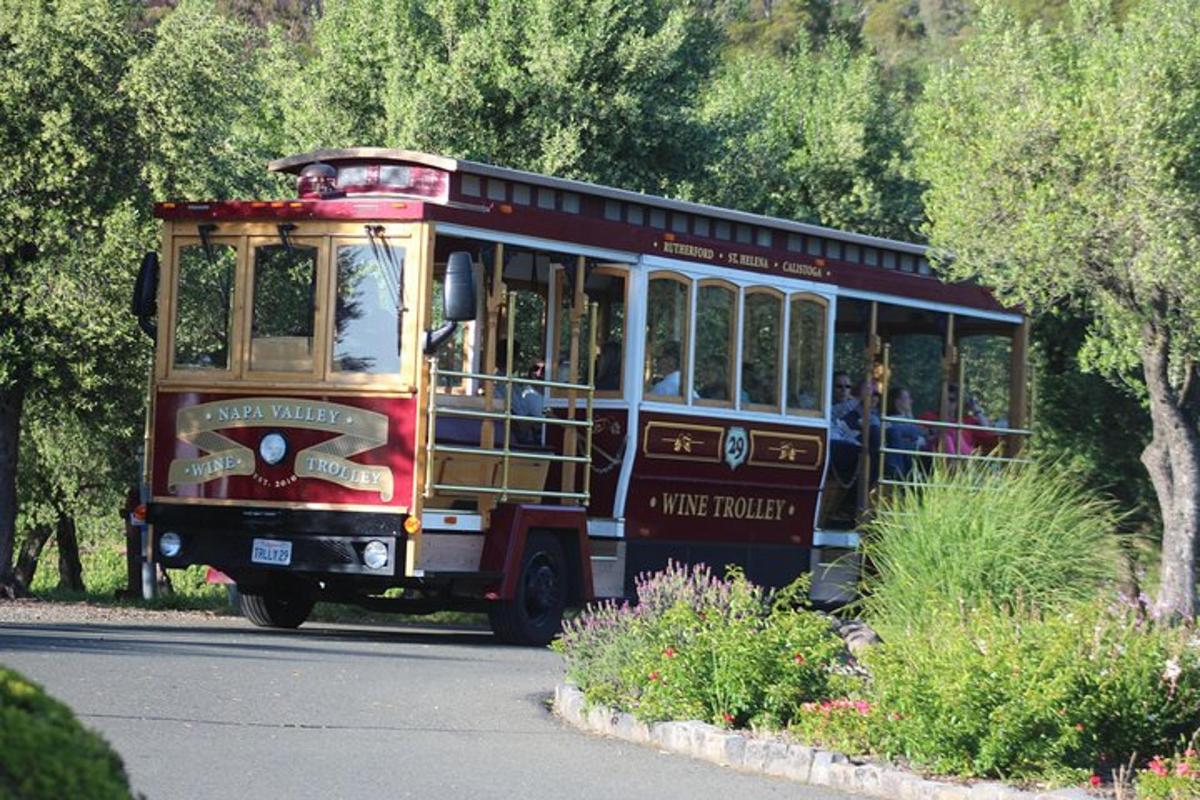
[309,644]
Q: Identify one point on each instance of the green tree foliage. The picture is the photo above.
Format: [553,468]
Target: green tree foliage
[65,143]
[813,136]
[1063,168]
[591,89]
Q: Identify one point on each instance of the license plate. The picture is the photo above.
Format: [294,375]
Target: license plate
[271,551]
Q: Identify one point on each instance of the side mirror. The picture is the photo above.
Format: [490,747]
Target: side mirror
[458,298]
[145,294]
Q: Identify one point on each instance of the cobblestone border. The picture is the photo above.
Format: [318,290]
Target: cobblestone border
[783,759]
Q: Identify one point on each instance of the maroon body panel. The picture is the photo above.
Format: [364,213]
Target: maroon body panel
[505,545]
[340,450]
[712,480]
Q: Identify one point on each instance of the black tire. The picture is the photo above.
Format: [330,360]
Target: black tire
[533,617]
[276,608]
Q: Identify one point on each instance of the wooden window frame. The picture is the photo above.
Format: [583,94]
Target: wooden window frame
[822,390]
[731,348]
[320,346]
[777,406]
[168,368]
[685,345]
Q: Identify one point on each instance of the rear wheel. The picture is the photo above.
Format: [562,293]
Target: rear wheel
[534,615]
[276,607]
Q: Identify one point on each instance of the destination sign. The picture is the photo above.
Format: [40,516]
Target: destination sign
[736,258]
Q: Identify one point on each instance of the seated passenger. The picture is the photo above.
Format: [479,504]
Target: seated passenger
[962,441]
[527,401]
[608,367]
[902,435]
[667,366]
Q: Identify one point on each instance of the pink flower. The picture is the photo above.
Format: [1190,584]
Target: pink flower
[669,652]
[1095,781]
[1157,767]
[728,718]
[1079,727]
[1182,769]
[1191,752]
[798,658]
[654,675]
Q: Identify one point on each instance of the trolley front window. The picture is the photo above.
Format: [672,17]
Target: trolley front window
[285,283]
[204,306]
[368,308]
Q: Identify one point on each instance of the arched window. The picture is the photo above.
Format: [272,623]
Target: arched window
[762,350]
[807,329]
[716,342]
[668,307]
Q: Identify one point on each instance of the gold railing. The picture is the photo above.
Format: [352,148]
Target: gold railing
[505,451]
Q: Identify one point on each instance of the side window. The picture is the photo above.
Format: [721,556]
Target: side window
[667,306]
[285,283]
[806,355]
[761,337]
[716,342]
[606,288]
[367,307]
[458,354]
[204,306]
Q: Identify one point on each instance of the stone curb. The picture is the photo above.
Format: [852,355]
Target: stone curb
[783,759]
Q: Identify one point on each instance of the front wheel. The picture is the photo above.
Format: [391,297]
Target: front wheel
[276,607]
[534,615]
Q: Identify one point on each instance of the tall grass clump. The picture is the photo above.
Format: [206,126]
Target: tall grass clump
[976,534]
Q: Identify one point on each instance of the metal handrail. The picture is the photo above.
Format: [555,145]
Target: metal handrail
[937,423]
[505,452]
[955,456]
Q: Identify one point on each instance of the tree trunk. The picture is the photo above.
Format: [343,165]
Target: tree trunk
[31,551]
[12,400]
[70,571]
[1173,460]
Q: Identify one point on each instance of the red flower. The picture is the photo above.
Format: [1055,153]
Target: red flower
[799,659]
[669,652]
[728,718]
[1095,781]
[654,675]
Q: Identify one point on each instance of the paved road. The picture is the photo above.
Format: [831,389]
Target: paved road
[216,708]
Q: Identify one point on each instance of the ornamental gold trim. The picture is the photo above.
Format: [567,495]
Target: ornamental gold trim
[781,450]
[683,439]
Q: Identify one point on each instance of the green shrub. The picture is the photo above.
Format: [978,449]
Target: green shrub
[1015,694]
[46,753]
[976,534]
[696,647]
[1175,778]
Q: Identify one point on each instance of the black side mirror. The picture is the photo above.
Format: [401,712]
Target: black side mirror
[459,291]
[458,300]
[145,294]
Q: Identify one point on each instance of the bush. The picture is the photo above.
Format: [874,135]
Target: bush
[1017,694]
[696,647]
[1175,778]
[977,535]
[46,753]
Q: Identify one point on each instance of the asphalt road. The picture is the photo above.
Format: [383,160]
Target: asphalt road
[215,708]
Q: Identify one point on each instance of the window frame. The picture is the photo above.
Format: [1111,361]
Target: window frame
[732,372]
[321,340]
[781,343]
[405,240]
[823,391]
[685,346]
[234,369]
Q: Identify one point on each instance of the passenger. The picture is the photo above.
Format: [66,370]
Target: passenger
[608,367]
[902,435]
[711,378]
[854,420]
[527,401]
[667,366]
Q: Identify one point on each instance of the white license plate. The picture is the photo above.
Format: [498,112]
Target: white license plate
[271,551]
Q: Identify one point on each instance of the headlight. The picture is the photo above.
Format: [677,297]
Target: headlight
[169,544]
[273,448]
[375,555]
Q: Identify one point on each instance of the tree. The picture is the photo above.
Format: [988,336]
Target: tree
[589,89]
[811,136]
[65,152]
[1064,169]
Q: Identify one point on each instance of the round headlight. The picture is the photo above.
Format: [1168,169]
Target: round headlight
[375,555]
[273,448]
[169,544]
